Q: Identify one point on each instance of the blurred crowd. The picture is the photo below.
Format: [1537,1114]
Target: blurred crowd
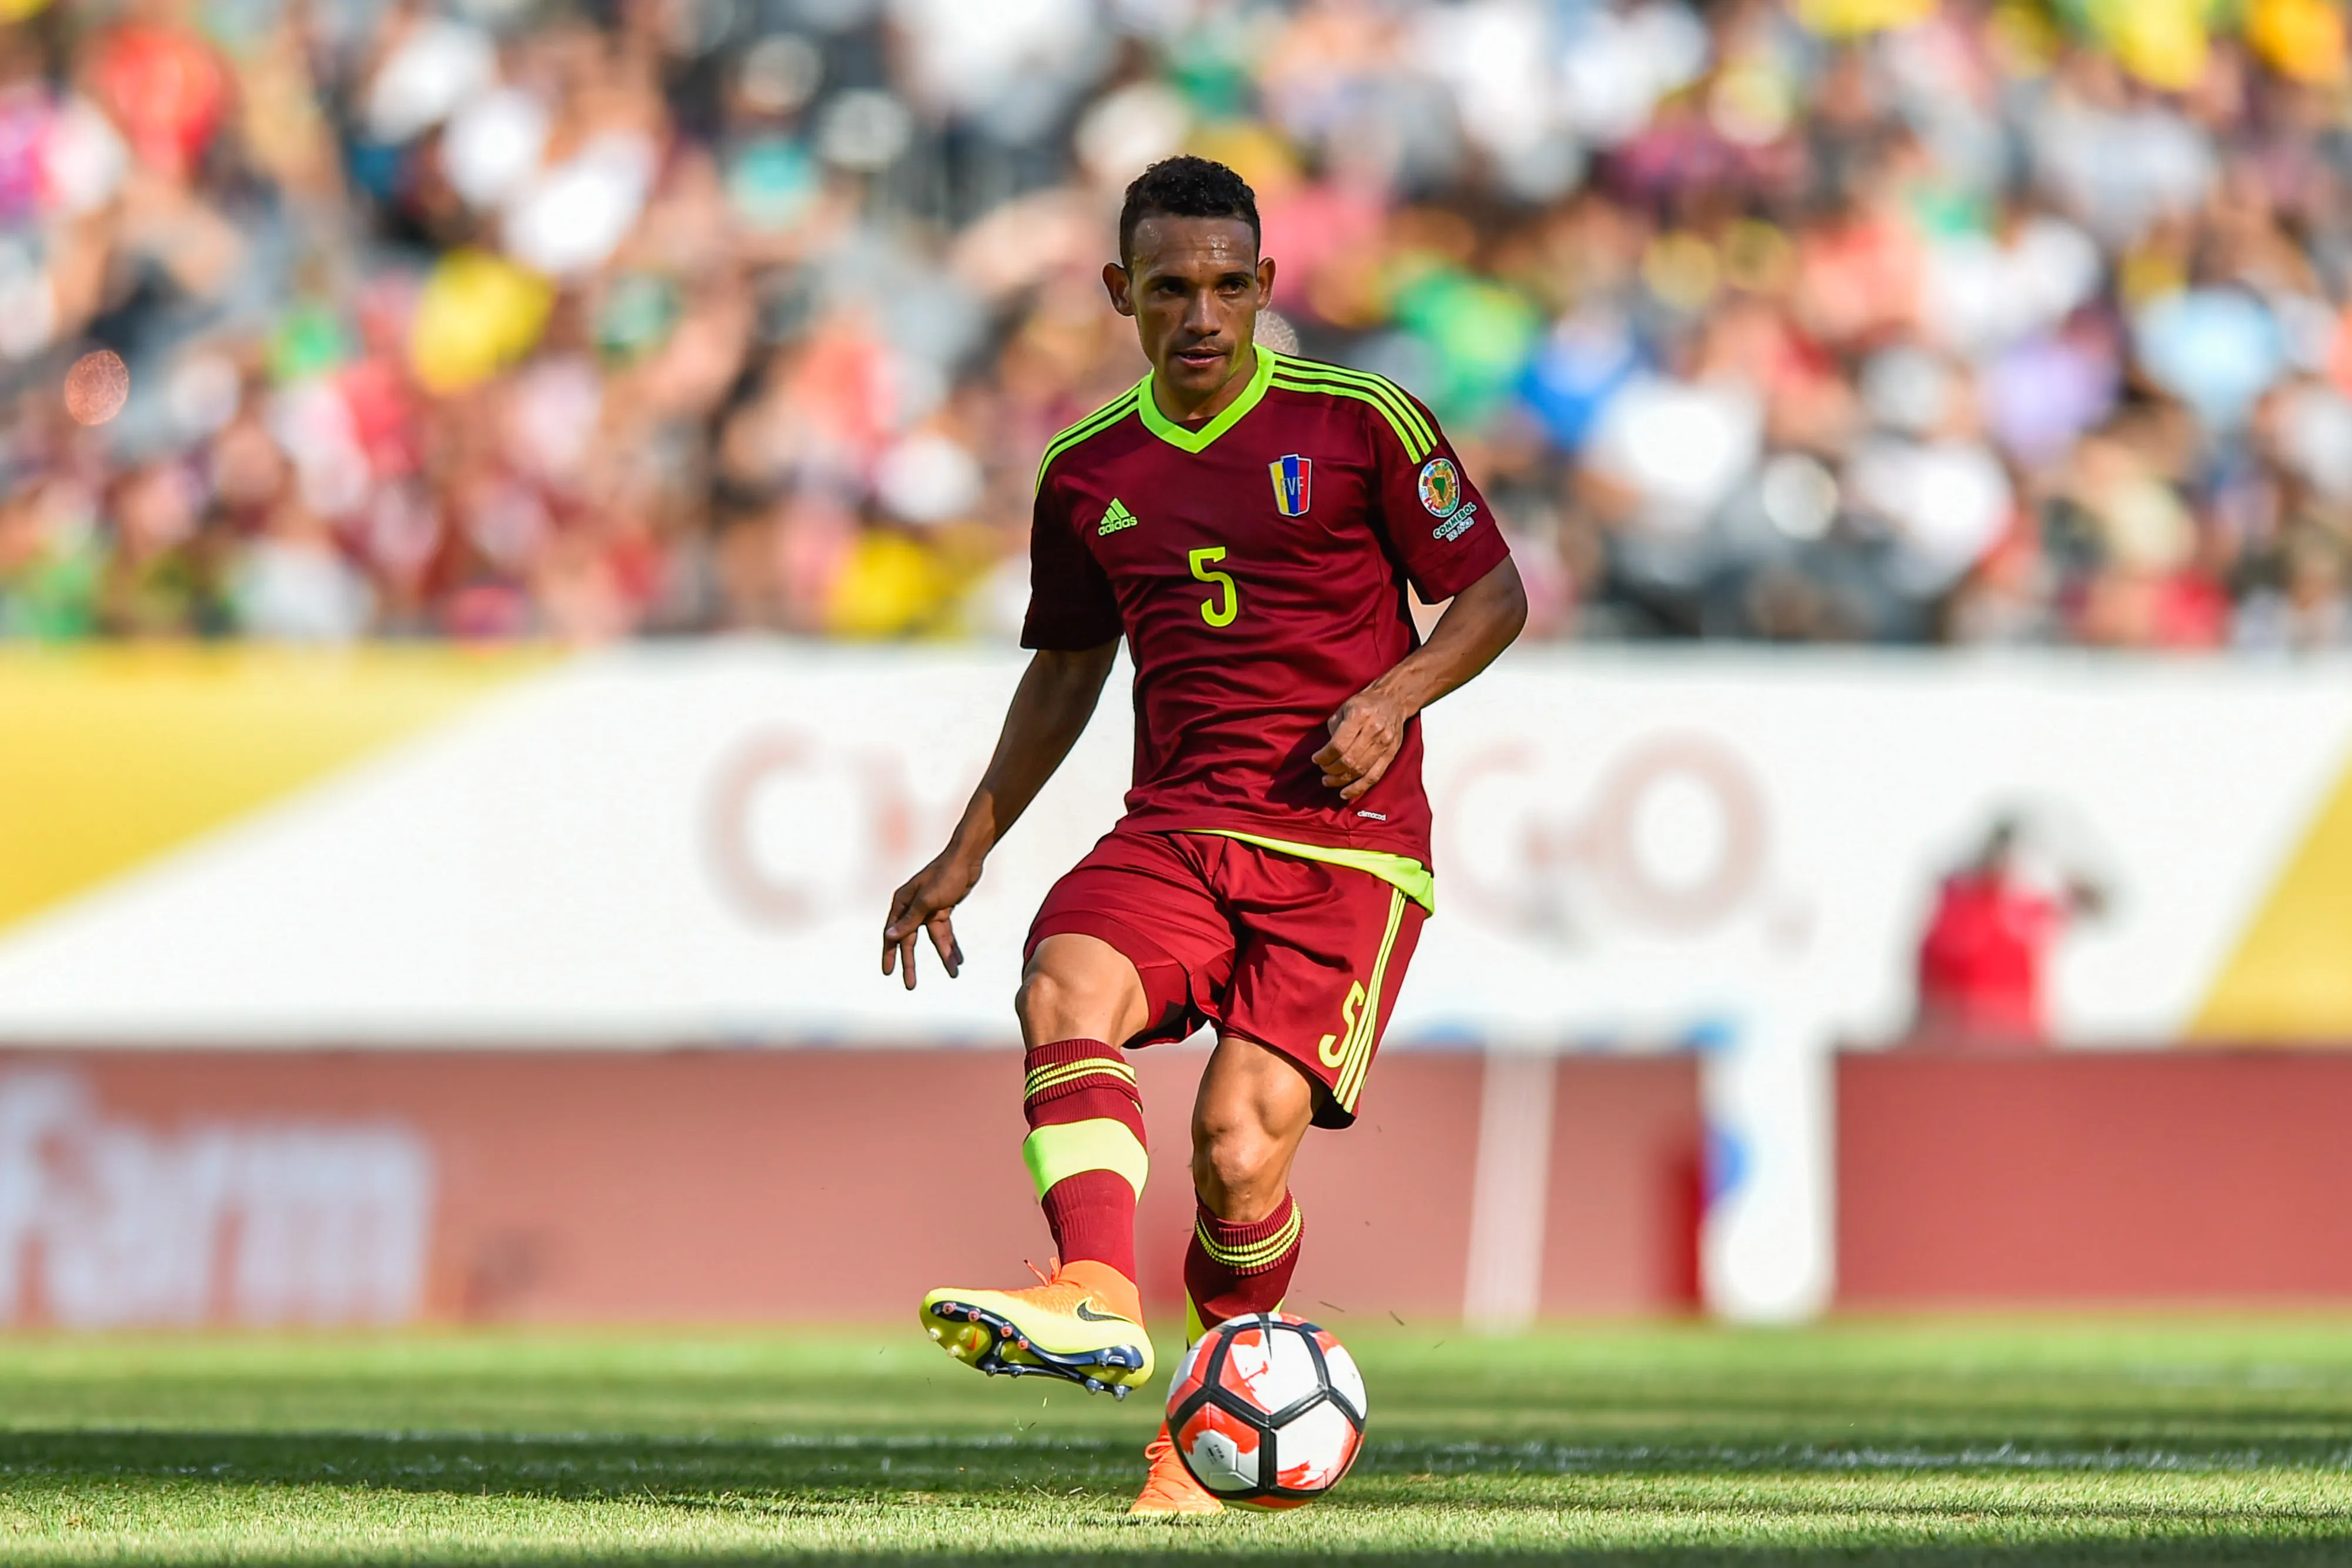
[1868,320]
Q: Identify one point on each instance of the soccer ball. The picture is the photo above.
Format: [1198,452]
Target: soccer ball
[1268,1411]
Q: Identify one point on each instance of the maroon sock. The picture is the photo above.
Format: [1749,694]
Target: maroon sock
[1234,1270]
[1092,1216]
[1091,1210]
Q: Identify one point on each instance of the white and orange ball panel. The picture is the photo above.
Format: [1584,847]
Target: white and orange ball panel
[1268,1411]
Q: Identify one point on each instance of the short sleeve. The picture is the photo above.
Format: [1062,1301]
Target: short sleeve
[1434,518]
[1071,605]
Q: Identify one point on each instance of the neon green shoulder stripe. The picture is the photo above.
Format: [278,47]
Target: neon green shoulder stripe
[1379,386]
[1109,413]
[1094,425]
[1401,412]
[1404,873]
[1416,445]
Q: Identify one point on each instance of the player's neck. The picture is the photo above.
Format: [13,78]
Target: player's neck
[1164,398]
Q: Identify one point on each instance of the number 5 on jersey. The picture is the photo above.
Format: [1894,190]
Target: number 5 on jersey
[1220,611]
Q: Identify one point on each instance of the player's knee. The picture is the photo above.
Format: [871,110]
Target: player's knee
[1054,1005]
[1237,1165]
[1042,1000]
[1078,988]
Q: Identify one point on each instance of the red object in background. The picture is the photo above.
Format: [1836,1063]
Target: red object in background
[24,118]
[1982,961]
[2193,612]
[1313,224]
[383,417]
[2068,1178]
[166,89]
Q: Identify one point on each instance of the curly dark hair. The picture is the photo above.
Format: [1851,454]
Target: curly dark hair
[1186,187]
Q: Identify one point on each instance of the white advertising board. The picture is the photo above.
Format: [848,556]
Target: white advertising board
[1727,853]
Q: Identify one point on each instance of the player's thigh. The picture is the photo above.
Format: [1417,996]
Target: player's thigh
[1317,975]
[1142,898]
[1076,987]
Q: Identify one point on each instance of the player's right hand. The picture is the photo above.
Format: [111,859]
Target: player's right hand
[923,903]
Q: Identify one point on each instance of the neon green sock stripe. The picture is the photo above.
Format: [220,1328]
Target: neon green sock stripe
[1091,1064]
[1255,1253]
[1379,384]
[1032,1088]
[1244,1258]
[1054,1154]
[1247,1259]
[1094,425]
[1254,1262]
[1389,395]
[1063,1073]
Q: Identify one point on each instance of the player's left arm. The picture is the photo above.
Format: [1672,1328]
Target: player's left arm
[1437,523]
[1368,727]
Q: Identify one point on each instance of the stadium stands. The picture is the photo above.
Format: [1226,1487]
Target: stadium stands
[1839,319]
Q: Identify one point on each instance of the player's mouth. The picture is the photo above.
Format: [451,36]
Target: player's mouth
[1200,357]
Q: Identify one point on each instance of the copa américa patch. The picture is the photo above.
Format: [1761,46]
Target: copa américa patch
[1441,487]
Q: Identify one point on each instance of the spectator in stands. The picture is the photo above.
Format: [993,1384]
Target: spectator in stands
[1986,952]
[1895,321]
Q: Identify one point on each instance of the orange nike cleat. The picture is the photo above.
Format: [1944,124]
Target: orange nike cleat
[1083,1324]
[1170,1489]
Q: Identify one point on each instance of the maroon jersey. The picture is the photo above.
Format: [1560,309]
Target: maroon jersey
[1257,567]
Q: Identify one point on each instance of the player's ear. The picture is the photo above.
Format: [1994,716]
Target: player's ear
[1116,282]
[1265,281]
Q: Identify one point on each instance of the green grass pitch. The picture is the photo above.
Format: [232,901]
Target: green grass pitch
[2033,1443]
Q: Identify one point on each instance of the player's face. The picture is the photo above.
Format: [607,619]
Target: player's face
[1194,286]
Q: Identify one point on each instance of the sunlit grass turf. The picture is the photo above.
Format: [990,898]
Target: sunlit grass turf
[1948,1443]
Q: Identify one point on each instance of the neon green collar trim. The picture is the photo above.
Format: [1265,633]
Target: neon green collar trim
[1191,440]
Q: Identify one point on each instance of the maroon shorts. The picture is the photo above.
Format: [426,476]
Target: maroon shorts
[1303,956]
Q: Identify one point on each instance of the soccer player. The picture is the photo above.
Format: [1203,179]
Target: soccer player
[1249,522]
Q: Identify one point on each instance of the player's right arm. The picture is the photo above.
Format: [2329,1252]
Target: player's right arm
[1050,708]
[1073,626]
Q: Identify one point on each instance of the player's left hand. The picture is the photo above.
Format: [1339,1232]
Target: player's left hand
[1366,733]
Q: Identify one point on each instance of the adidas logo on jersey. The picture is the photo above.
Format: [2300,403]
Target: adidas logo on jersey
[1118,518]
